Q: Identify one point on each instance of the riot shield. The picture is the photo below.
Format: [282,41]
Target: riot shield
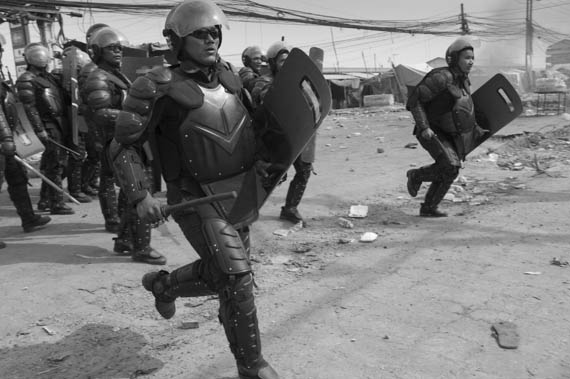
[296,103]
[25,139]
[497,103]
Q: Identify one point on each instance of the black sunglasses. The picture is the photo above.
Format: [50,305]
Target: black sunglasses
[114,48]
[204,33]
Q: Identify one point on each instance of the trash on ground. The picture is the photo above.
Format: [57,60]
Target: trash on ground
[368,237]
[411,145]
[358,211]
[505,332]
[559,262]
[345,223]
[345,241]
[48,331]
[533,273]
[189,325]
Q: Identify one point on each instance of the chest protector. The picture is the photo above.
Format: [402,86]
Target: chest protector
[216,139]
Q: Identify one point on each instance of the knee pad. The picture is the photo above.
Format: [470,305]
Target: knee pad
[226,246]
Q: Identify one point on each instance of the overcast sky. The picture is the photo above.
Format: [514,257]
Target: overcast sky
[366,48]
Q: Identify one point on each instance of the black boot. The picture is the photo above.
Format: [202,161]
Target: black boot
[37,223]
[434,196]
[74,181]
[21,199]
[61,209]
[158,283]
[413,183]
[43,203]
[290,214]
[109,206]
[142,251]
[295,192]
[182,282]
[426,211]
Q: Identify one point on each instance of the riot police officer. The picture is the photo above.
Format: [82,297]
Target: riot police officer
[43,98]
[252,59]
[276,55]
[203,150]
[104,91]
[93,141]
[445,123]
[15,174]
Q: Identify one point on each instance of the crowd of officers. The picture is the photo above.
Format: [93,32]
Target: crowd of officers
[102,87]
[201,118]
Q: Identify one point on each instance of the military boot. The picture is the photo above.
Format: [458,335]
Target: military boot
[74,181]
[413,183]
[109,207]
[142,251]
[291,214]
[262,370]
[158,283]
[434,196]
[43,203]
[21,199]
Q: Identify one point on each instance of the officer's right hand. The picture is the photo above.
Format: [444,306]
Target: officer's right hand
[8,148]
[428,133]
[149,209]
[43,136]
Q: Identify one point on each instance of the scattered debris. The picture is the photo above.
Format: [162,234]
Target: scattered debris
[368,237]
[189,325]
[48,331]
[302,248]
[358,211]
[346,240]
[411,145]
[533,273]
[559,262]
[345,223]
[379,150]
[505,332]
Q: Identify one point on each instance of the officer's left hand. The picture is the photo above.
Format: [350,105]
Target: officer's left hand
[8,148]
[261,168]
[149,209]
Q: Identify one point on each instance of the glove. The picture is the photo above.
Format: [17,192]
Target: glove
[428,133]
[8,148]
[149,209]
[262,167]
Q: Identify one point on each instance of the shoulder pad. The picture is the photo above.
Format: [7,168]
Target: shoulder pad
[26,76]
[184,91]
[229,79]
[160,75]
[86,70]
[96,80]
[434,83]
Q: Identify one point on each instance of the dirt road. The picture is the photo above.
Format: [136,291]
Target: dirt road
[418,302]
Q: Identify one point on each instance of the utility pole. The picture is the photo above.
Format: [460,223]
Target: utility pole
[529,36]
[464,24]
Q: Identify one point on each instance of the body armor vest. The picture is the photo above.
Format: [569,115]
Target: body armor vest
[214,142]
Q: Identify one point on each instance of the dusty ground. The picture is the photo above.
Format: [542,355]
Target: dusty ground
[418,302]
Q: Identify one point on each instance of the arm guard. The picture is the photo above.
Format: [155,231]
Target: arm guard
[129,171]
[26,94]
[97,96]
[130,133]
[5,131]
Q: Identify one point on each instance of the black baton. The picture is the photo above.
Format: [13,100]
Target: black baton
[167,210]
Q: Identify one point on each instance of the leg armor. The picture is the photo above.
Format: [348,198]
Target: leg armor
[108,198]
[440,186]
[17,181]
